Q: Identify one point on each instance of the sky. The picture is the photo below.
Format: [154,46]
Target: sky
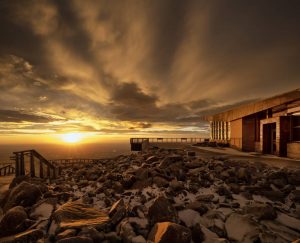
[109,69]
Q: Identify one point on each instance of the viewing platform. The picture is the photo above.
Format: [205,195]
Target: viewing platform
[138,144]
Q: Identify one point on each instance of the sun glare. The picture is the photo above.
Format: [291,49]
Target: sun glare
[72,137]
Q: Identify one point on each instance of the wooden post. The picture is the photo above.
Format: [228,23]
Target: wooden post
[17,165]
[22,164]
[32,169]
[41,170]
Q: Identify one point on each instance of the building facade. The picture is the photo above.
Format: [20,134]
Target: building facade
[270,126]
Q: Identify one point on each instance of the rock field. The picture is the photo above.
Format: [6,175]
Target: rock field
[160,195]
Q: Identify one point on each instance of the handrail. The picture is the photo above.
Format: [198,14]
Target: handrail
[167,140]
[45,168]
[7,170]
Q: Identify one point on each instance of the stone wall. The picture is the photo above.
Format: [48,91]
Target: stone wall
[293,150]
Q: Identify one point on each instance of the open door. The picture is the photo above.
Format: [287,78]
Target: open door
[269,138]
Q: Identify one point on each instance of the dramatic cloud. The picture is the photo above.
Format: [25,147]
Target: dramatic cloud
[141,66]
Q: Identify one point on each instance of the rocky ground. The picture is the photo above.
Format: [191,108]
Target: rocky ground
[156,196]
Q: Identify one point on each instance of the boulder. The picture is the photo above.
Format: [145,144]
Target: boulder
[189,217]
[75,215]
[162,210]
[167,232]
[13,221]
[261,211]
[24,194]
[241,228]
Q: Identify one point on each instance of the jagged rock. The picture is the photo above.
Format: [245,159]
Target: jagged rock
[162,210]
[261,211]
[75,215]
[24,194]
[32,235]
[117,212]
[170,160]
[76,239]
[167,232]
[152,159]
[240,228]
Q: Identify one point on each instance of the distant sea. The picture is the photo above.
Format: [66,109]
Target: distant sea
[62,151]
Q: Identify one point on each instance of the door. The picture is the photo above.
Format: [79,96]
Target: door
[269,138]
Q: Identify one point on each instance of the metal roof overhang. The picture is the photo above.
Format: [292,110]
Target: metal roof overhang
[255,107]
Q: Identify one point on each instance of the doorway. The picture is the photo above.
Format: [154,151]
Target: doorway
[269,138]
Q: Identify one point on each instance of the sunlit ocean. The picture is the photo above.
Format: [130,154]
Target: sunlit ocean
[59,151]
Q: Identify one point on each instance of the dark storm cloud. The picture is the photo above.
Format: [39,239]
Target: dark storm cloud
[146,62]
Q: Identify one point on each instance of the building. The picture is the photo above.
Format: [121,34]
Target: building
[270,126]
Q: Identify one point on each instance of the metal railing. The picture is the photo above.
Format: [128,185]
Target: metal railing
[168,140]
[7,170]
[71,162]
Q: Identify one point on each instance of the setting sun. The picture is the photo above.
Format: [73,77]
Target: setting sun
[72,137]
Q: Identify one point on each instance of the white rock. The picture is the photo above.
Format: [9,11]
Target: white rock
[189,217]
[240,228]
[42,211]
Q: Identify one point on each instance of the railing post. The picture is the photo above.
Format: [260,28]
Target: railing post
[32,169]
[22,164]
[17,165]
[41,170]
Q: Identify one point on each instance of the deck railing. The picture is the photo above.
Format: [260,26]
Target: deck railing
[168,140]
[37,165]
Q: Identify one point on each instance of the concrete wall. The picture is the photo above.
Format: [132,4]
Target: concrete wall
[293,150]
[236,133]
